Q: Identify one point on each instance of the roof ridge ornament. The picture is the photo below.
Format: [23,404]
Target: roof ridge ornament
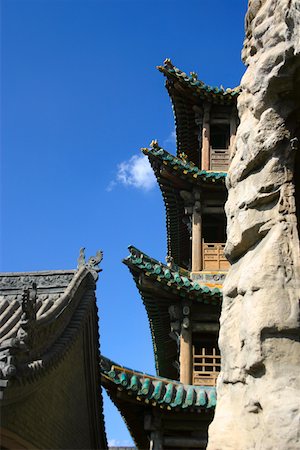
[168,63]
[28,303]
[81,258]
[12,349]
[93,262]
[154,144]
[170,262]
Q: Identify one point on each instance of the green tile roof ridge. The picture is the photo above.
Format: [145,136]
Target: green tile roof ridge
[164,392]
[182,163]
[171,274]
[168,69]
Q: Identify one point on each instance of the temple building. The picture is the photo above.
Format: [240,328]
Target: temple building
[182,297]
[50,393]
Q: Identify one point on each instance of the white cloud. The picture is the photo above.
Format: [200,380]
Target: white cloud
[119,443]
[135,172]
[171,139]
[111,185]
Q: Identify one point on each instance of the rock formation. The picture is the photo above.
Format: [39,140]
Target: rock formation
[258,389]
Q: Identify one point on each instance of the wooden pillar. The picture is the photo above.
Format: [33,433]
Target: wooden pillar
[205,151]
[186,356]
[197,237]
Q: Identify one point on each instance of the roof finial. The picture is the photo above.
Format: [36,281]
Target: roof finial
[168,63]
[183,156]
[154,144]
[94,261]
[170,261]
[81,258]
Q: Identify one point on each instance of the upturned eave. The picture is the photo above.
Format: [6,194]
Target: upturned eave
[160,287]
[188,94]
[173,175]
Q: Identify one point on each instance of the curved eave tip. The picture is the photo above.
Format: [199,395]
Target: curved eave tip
[131,247]
[167,65]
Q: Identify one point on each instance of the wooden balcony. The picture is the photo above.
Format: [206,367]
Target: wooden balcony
[213,257]
[219,159]
[206,366]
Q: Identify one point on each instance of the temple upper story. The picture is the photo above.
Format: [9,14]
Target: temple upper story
[194,201]
[205,118]
[183,317]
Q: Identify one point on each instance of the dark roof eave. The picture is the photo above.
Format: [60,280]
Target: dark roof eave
[158,391]
[169,276]
[196,88]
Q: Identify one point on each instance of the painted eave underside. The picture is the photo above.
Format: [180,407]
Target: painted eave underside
[174,174]
[133,392]
[160,287]
[186,92]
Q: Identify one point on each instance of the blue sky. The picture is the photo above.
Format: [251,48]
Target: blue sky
[80,96]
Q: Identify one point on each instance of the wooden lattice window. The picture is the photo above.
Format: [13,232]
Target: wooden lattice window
[206,365]
[213,257]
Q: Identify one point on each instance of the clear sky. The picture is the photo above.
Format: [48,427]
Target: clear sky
[80,96]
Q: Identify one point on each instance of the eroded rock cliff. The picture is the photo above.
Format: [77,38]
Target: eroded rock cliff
[259,385]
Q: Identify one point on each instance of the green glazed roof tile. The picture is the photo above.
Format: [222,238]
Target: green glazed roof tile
[134,383]
[169,393]
[183,168]
[178,397]
[190,398]
[171,278]
[212,398]
[201,398]
[146,386]
[157,392]
[174,284]
[197,87]
[123,379]
[164,392]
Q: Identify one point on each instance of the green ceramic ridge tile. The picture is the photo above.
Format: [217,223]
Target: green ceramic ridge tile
[192,82]
[156,390]
[186,167]
[169,276]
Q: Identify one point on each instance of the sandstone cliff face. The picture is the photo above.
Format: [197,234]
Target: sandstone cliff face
[259,385]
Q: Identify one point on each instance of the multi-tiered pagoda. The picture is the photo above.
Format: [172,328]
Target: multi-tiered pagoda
[173,409]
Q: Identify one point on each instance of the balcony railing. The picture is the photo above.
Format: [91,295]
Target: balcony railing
[219,159]
[206,366]
[213,257]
